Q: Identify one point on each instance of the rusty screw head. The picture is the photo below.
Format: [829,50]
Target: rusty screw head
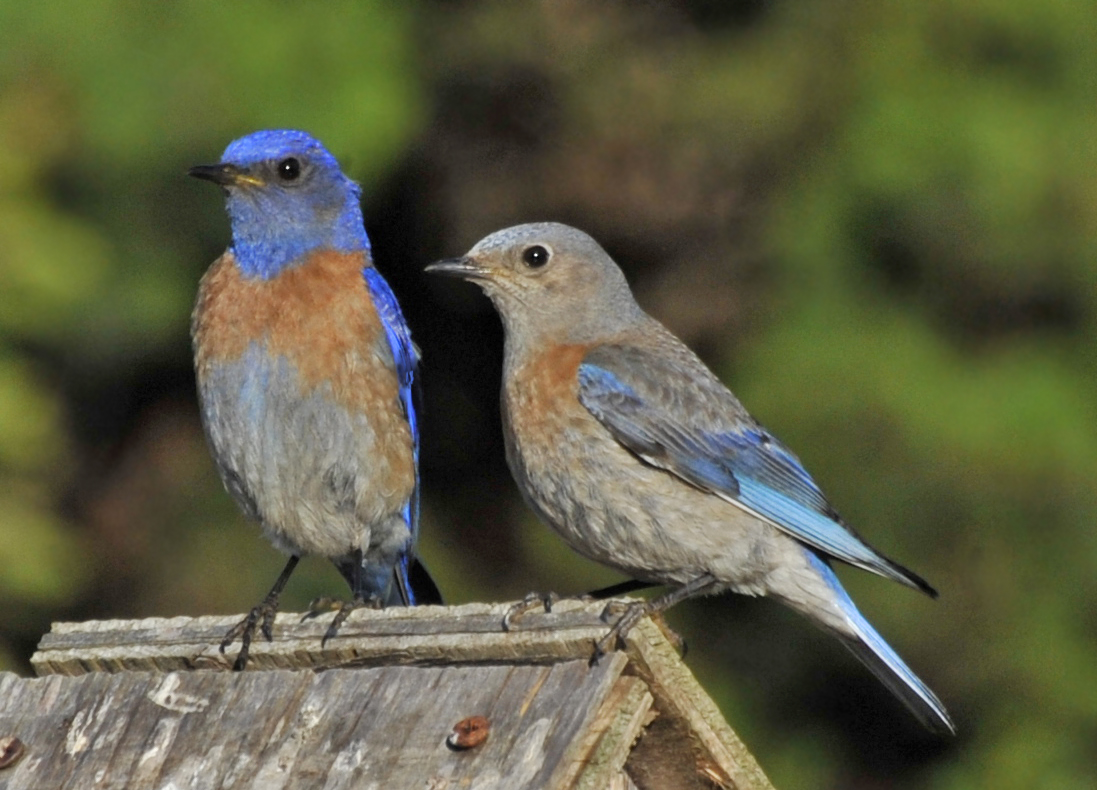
[469,733]
[11,749]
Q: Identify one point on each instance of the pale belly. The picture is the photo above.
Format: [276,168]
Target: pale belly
[615,509]
[319,479]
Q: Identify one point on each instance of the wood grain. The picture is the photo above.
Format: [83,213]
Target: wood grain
[121,705]
[374,727]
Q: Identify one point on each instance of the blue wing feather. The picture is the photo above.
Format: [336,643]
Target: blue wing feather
[406,358]
[732,457]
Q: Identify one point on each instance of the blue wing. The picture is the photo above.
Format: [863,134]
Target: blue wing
[699,432]
[406,358]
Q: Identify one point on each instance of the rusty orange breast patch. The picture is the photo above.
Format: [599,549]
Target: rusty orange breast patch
[542,396]
[318,315]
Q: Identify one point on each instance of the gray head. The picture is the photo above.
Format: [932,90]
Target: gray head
[549,281]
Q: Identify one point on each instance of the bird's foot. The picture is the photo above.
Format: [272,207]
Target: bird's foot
[528,604]
[261,616]
[615,609]
[345,608]
[631,614]
[322,605]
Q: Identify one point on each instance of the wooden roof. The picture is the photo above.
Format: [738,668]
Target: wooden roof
[150,704]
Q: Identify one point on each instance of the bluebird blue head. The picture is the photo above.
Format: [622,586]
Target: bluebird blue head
[286,196]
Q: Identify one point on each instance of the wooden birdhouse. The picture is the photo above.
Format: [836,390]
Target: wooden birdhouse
[429,698]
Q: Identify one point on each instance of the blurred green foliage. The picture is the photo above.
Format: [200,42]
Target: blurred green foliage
[876,221]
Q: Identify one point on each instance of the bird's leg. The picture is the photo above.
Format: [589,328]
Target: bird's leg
[262,615]
[359,601]
[641,609]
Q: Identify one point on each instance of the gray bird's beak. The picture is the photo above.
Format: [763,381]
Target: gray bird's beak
[224,175]
[465,268]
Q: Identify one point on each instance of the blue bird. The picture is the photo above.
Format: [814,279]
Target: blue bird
[623,441]
[307,377]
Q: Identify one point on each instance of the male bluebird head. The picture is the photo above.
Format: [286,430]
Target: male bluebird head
[306,375]
[625,443]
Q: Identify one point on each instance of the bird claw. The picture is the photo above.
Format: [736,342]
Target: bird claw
[321,605]
[234,633]
[631,614]
[267,628]
[262,616]
[345,608]
[527,604]
[263,613]
[612,608]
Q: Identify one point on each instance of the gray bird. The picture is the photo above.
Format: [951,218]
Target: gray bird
[632,450]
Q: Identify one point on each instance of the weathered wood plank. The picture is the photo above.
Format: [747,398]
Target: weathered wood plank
[374,727]
[421,635]
[689,717]
[683,742]
[620,720]
[621,781]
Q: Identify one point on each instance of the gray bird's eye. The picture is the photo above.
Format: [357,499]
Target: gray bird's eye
[536,256]
[289,169]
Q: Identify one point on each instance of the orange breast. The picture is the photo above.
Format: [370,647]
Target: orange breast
[542,395]
[318,315]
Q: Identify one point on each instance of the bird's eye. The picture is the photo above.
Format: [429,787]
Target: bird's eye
[289,169]
[535,257]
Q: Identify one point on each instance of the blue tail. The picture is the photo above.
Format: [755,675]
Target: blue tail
[876,654]
[414,585]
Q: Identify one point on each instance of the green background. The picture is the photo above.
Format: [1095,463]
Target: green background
[874,220]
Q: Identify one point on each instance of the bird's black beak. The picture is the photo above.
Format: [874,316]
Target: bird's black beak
[224,175]
[465,268]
